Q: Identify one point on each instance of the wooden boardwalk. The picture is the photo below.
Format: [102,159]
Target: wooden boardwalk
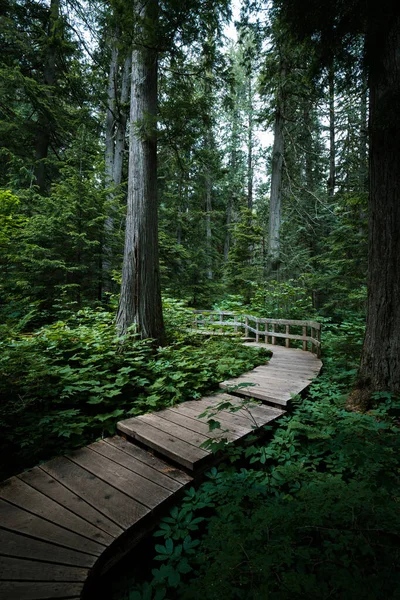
[289,373]
[69,520]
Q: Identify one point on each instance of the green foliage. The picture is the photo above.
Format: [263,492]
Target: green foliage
[70,382]
[312,513]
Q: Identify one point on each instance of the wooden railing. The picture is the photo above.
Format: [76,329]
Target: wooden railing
[262,329]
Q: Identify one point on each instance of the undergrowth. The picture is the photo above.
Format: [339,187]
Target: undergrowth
[69,383]
[313,513]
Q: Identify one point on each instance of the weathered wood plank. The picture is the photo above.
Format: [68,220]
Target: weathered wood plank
[235,427]
[39,590]
[177,450]
[20,546]
[149,459]
[125,460]
[182,433]
[16,519]
[19,569]
[105,498]
[104,529]
[140,489]
[21,494]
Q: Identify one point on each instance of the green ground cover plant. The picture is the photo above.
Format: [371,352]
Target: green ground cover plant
[68,383]
[310,513]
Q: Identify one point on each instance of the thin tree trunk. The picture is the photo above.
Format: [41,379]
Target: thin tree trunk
[49,76]
[364,136]
[208,185]
[120,133]
[140,300]
[109,159]
[380,361]
[227,233]
[250,143]
[232,199]
[275,204]
[332,133]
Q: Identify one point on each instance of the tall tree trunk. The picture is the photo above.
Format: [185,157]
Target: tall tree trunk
[332,132]
[208,189]
[233,176]
[112,87]
[109,159]
[380,361]
[120,133]
[43,135]
[275,203]
[140,300]
[364,136]
[250,143]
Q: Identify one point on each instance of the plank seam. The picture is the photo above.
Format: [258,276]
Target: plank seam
[87,502]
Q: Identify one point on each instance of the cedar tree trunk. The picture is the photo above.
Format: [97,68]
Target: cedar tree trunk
[380,361]
[140,300]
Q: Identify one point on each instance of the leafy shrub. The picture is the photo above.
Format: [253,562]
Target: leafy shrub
[70,382]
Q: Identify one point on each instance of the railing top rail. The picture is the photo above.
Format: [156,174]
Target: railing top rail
[313,324]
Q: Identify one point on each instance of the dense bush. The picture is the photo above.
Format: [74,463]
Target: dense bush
[70,382]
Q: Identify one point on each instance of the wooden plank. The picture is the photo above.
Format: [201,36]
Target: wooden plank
[21,546]
[149,459]
[178,417]
[125,460]
[104,529]
[105,498]
[265,397]
[182,433]
[242,420]
[239,424]
[39,590]
[16,519]
[21,494]
[259,386]
[282,378]
[140,489]
[19,569]
[177,450]
[235,427]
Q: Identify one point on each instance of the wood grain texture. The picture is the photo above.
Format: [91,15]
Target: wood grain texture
[39,590]
[105,529]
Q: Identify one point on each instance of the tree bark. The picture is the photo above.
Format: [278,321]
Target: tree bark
[250,144]
[332,132]
[43,135]
[140,300]
[380,361]
[275,208]
[120,133]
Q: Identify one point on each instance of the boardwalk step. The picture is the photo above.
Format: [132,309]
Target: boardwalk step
[178,434]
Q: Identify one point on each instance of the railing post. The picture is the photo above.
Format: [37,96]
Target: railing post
[221,322]
[287,339]
[266,334]
[246,327]
[273,337]
[305,341]
[235,324]
[313,346]
[319,339]
[195,323]
[257,331]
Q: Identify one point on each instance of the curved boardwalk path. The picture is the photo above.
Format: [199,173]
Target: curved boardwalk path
[70,519]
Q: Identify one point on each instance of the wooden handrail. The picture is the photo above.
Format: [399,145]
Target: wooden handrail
[217,319]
